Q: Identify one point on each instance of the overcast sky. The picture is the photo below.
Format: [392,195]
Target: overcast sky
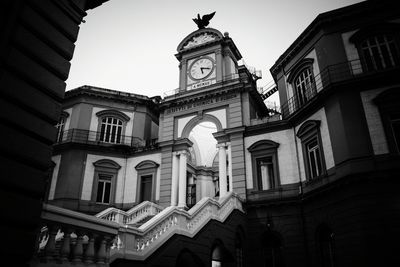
[129,45]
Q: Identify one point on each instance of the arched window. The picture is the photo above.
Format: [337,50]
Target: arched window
[379,52]
[388,104]
[303,83]
[378,46]
[310,136]
[265,165]
[61,126]
[325,241]
[220,256]
[112,126]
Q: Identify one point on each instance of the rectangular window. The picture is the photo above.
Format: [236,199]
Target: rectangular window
[314,159]
[104,189]
[146,187]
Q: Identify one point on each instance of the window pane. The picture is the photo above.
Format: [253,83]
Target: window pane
[100,188]
[107,192]
[379,52]
[111,130]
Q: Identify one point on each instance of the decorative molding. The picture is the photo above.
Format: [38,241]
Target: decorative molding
[114,113]
[146,164]
[263,145]
[107,163]
[307,126]
[200,39]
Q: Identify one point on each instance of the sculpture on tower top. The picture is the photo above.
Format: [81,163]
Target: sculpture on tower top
[203,21]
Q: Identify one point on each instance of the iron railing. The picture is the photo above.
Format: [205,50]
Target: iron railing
[98,138]
[330,75]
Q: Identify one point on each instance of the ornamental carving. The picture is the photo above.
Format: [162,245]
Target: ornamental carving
[200,39]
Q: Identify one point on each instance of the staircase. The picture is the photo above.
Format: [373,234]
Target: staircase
[78,239]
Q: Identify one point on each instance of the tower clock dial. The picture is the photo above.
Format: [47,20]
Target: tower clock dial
[201,68]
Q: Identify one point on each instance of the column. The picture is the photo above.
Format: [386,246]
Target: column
[175,177]
[230,167]
[182,180]
[222,170]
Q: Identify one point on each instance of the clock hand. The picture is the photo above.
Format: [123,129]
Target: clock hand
[204,68]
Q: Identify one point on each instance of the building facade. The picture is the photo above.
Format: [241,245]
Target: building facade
[316,183]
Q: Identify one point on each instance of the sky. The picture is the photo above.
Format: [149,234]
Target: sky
[130,45]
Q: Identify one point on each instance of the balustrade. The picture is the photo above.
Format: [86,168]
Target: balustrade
[72,238]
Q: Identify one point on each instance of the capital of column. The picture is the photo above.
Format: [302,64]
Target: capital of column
[181,152]
[222,145]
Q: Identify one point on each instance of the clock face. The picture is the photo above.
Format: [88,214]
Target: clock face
[201,68]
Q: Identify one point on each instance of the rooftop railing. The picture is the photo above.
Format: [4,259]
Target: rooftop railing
[330,75]
[105,139]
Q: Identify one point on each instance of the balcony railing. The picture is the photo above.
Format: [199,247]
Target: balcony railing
[97,138]
[327,77]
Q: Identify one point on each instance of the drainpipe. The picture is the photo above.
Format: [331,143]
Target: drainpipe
[303,220]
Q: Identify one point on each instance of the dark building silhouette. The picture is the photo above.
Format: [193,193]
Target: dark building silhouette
[208,175]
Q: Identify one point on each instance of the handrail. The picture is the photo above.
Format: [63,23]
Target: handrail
[69,237]
[82,136]
[330,75]
[139,243]
[131,216]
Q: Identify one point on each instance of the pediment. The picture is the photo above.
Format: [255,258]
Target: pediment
[200,37]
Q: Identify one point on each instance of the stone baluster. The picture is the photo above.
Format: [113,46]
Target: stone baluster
[101,252]
[50,249]
[77,252]
[66,245]
[89,252]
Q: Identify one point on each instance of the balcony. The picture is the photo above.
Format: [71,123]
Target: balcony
[330,76]
[81,136]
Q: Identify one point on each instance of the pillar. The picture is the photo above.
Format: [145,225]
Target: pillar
[182,180]
[175,177]
[230,167]
[222,170]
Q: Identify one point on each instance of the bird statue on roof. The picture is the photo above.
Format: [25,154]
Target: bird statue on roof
[203,21]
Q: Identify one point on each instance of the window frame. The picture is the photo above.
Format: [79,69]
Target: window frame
[109,168]
[146,168]
[373,31]
[309,132]
[61,130]
[306,64]
[387,103]
[114,114]
[264,149]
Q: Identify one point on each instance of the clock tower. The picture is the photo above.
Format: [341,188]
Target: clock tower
[206,57]
[202,123]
